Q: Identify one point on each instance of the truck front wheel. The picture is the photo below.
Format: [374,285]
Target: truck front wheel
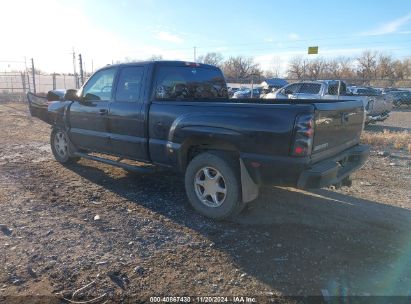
[213,185]
[60,146]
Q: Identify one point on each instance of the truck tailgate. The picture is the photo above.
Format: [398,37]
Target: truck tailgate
[379,104]
[338,126]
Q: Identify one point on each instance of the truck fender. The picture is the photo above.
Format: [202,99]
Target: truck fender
[248,188]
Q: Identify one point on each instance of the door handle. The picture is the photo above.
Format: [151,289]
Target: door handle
[103,111]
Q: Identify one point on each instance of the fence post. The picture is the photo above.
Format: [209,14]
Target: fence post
[28,79]
[76,85]
[54,81]
[23,82]
[33,75]
[80,59]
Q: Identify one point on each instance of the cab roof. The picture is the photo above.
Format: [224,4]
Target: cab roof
[162,63]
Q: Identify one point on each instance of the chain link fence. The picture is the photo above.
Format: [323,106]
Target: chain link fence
[15,85]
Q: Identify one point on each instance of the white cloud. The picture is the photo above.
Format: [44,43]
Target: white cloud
[52,36]
[221,48]
[293,36]
[389,27]
[169,37]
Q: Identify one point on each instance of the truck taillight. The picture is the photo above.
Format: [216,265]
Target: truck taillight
[192,64]
[303,135]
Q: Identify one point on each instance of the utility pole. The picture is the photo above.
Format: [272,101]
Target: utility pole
[33,73]
[195,49]
[252,85]
[74,69]
[81,69]
[54,80]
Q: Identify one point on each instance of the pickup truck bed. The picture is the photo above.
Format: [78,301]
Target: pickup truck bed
[225,148]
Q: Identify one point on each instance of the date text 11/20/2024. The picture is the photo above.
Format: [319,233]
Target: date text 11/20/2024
[173,299]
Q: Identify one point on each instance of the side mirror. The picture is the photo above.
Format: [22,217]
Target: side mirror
[288,92]
[71,94]
[55,95]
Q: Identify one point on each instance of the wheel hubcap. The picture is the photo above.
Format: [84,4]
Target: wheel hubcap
[61,144]
[210,187]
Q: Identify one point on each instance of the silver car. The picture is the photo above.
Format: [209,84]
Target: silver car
[377,107]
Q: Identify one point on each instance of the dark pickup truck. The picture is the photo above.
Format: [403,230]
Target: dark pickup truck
[177,115]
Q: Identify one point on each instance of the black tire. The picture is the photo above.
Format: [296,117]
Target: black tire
[62,152]
[228,179]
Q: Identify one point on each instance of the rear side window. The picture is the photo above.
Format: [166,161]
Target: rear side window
[333,88]
[129,84]
[189,83]
[291,89]
[310,88]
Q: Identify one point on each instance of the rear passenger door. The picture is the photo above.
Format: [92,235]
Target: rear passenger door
[126,120]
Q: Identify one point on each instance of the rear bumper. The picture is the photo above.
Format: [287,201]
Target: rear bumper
[335,169]
[301,172]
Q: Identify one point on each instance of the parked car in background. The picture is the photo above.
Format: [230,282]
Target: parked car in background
[246,93]
[388,90]
[400,97]
[377,106]
[231,91]
[272,85]
[363,91]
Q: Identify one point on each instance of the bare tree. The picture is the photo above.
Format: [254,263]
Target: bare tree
[346,68]
[385,67]
[297,68]
[241,69]
[316,69]
[275,68]
[212,58]
[340,68]
[402,69]
[155,57]
[333,70]
[367,65]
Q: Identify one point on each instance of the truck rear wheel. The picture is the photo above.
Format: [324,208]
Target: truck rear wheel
[213,185]
[60,146]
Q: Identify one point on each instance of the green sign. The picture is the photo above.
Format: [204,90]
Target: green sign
[312,50]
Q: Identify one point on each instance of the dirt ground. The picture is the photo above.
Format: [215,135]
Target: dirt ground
[150,242]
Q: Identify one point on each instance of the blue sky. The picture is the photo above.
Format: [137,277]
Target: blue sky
[270,31]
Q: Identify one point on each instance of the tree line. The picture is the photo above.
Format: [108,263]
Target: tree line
[369,68]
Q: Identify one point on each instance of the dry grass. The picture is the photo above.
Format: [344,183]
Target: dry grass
[397,140]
